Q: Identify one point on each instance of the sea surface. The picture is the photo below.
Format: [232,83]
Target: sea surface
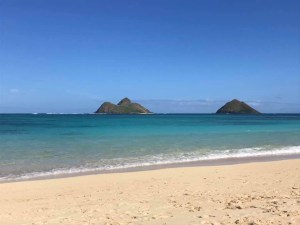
[45,145]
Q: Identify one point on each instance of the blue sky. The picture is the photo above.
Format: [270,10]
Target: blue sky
[172,56]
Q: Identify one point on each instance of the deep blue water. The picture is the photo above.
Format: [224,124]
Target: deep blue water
[42,144]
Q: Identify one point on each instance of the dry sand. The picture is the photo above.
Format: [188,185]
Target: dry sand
[253,193]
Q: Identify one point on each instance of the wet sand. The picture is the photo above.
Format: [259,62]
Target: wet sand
[249,193]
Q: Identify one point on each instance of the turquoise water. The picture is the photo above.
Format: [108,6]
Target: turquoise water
[42,144]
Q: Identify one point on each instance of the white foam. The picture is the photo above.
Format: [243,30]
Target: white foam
[161,159]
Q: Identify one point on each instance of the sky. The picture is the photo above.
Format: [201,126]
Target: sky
[68,56]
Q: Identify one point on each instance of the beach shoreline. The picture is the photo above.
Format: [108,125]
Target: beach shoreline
[196,163]
[247,193]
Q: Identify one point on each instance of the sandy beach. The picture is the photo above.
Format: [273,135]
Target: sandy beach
[252,193]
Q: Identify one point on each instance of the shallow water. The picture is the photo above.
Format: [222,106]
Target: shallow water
[37,145]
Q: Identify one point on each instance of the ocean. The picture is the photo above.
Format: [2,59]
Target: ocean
[48,145]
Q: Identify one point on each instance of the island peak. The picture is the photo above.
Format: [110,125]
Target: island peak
[125,101]
[125,106]
[237,107]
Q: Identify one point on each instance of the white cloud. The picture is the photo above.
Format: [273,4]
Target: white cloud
[254,104]
[181,106]
[14,90]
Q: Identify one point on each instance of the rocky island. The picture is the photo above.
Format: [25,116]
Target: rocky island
[237,107]
[125,106]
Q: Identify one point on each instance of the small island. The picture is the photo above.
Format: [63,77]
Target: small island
[236,107]
[125,106]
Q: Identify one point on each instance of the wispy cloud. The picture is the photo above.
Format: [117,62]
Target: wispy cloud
[181,105]
[182,102]
[255,103]
[14,90]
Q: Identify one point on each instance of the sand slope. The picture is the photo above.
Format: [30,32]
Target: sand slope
[255,193]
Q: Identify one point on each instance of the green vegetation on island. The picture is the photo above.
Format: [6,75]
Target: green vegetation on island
[125,106]
[237,107]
